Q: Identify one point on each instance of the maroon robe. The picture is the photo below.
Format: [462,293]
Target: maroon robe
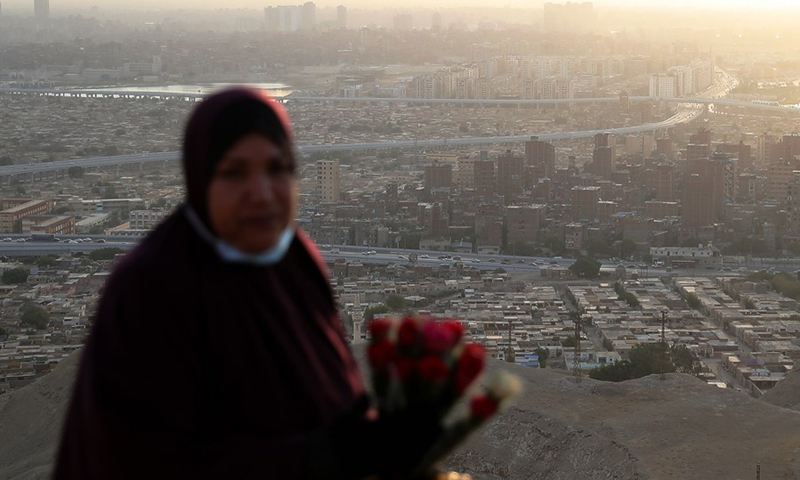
[197,368]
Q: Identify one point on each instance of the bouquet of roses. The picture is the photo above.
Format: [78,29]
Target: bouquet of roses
[423,364]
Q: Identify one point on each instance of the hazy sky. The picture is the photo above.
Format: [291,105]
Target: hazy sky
[60,5]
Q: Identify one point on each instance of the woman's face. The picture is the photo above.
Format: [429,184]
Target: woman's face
[253,194]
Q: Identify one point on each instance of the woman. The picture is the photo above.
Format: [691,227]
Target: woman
[217,351]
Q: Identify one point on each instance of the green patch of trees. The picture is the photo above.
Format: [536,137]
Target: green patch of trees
[75,172]
[630,299]
[597,247]
[46,261]
[693,301]
[627,248]
[34,316]
[787,285]
[523,249]
[648,359]
[105,253]
[746,246]
[374,310]
[555,245]
[585,267]
[15,275]
[396,302]
[543,355]
[625,295]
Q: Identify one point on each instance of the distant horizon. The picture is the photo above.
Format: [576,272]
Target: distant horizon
[726,6]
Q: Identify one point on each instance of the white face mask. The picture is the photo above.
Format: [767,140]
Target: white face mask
[270,256]
[231,254]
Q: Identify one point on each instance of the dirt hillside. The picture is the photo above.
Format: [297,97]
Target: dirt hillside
[30,423]
[786,393]
[676,428]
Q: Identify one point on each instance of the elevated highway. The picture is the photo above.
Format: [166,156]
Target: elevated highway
[195,96]
[62,166]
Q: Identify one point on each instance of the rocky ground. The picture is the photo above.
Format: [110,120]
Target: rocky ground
[675,428]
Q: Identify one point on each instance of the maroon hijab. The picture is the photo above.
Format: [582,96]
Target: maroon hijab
[197,368]
[216,124]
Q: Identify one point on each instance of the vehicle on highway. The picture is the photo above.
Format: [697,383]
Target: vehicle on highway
[43,237]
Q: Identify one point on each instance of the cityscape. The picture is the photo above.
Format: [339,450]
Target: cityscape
[573,189]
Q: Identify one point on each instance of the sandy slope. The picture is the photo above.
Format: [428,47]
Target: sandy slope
[676,428]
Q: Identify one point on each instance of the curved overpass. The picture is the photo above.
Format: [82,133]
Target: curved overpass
[96,162]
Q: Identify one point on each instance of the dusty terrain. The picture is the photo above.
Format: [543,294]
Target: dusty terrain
[675,428]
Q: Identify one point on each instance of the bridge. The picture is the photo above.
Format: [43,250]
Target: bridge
[62,166]
[195,96]
[688,110]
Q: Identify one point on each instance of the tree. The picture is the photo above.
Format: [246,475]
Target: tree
[647,359]
[690,242]
[786,284]
[586,267]
[373,310]
[749,303]
[613,372]
[15,275]
[630,299]
[6,160]
[46,261]
[396,302]
[34,316]
[693,301]
[684,360]
[627,248]
[75,172]
[110,150]
[543,354]
[597,247]
[522,249]
[105,253]
[569,341]
[554,244]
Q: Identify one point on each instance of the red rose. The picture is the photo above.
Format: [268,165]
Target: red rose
[432,368]
[456,328]
[379,328]
[380,354]
[436,338]
[407,333]
[404,367]
[470,365]
[482,407]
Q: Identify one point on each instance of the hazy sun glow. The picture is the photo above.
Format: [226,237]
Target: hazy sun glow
[726,5]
